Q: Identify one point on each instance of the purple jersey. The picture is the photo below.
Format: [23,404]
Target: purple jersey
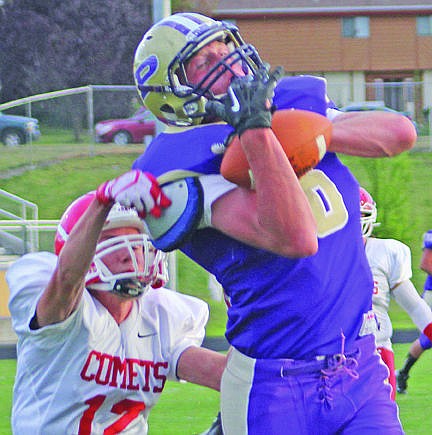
[427,243]
[293,308]
[198,149]
[282,307]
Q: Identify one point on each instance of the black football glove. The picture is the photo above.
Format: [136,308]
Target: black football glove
[248,101]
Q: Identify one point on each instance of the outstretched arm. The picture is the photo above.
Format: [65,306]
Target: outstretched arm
[408,298]
[372,134]
[64,290]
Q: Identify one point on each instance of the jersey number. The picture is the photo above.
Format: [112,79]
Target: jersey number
[126,408]
[326,202]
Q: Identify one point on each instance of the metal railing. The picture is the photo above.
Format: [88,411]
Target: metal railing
[19,224]
[21,236]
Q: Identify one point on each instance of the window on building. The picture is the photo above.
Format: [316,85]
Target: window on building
[424,25]
[355,27]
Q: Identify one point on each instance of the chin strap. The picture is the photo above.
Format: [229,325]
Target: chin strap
[127,287]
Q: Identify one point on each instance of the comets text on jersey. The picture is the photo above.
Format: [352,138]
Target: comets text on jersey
[128,373]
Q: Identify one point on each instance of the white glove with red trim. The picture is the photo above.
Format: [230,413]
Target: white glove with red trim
[135,189]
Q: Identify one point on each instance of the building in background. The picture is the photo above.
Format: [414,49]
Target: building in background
[368,50]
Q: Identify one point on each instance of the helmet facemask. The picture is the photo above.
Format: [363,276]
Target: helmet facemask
[162,56]
[136,247]
[159,269]
[197,93]
[368,213]
[131,283]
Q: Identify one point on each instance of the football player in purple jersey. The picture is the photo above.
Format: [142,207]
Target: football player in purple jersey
[423,342]
[390,262]
[289,253]
[98,335]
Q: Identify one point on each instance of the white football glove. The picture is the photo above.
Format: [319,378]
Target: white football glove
[135,189]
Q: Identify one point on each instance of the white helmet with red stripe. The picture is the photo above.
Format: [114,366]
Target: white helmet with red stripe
[368,212]
[100,277]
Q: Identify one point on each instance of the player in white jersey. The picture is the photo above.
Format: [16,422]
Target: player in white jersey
[96,343]
[390,262]
[422,343]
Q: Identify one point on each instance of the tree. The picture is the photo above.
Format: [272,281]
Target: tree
[48,45]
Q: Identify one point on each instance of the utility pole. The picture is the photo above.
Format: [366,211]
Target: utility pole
[161,9]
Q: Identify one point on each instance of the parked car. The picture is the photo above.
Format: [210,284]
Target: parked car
[16,130]
[130,130]
[374,105]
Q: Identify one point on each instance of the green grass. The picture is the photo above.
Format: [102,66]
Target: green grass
[38,154]
[7,376]
[199,405]
[54,136]
[402,190]
[414,406]
[401,187]
[186,409]
[54,186]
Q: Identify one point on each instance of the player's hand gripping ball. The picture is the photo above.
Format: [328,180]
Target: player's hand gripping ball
[304,136]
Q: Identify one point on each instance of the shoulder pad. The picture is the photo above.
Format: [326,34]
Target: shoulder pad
[181,218]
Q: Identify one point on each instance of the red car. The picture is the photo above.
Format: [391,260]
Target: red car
[139,128]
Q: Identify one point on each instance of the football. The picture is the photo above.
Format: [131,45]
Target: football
[304,136]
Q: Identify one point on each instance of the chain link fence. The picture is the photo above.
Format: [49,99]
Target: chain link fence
[67,118]
[67,122]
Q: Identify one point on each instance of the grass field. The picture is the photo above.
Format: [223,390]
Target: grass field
[414,406]
[187,409]
[401,187]
[165,418]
